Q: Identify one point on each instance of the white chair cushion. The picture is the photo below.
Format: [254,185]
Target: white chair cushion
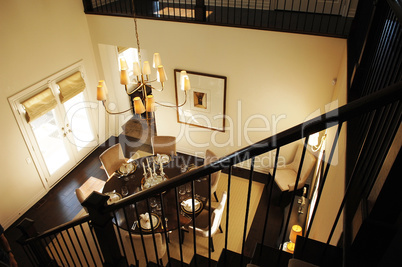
[284,178]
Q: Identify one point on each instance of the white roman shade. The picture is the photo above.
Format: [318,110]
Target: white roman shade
[39,104]
[71,86]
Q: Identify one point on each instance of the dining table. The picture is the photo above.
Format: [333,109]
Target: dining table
[122,185]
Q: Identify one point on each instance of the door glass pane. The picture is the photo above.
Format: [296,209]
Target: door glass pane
[50,141]
[79,122]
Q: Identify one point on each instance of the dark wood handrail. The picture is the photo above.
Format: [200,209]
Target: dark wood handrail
[63,227]
[365,104]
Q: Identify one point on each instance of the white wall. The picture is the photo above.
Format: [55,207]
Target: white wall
[38,38]
[334,188]
[269,73]
[274,80]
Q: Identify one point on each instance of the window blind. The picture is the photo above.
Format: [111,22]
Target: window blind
[39,104]
[71,86]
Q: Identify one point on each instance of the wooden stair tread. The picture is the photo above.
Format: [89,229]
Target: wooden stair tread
[230,258]
[202,261]
[268,256]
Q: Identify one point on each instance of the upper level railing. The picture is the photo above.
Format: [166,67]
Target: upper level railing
[328,18]
[100,237]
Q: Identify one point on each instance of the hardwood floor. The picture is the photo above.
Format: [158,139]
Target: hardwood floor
[60,205]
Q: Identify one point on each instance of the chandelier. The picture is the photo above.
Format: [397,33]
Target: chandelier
[142,82]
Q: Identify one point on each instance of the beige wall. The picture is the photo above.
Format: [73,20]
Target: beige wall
[280,77]
[274,80]
[335,183]
[38,38]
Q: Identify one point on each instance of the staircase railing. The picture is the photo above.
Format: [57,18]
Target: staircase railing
[329,18]
[101,239]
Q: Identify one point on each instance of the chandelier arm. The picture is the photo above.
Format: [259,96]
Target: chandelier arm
[113,113]
[156,89]
[185,101]
[134,90]
[174,106]
[166,106]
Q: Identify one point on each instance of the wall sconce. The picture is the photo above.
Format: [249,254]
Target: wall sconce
[313,141]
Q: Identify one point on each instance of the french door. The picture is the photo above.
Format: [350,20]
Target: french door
[61,135]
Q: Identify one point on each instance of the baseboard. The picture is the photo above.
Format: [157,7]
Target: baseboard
[19,213]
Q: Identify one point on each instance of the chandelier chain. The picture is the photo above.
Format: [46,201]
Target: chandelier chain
[136,32]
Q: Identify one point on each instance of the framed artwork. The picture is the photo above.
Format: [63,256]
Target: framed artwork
[205,105]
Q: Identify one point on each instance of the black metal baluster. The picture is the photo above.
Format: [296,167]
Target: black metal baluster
[178,224]
[346,16]
[80,245]
[234,13]
[193,217]
[283,13]
[95,241]
[269,198]
[68,250]
[61,249]
[121,7]
[291,14]
[323,179]
[227,208]
[119,234]
[306,15]
[255,12]
[250,183]
[50,250]
[130,235]
[330,16]
[152,231]
[322,15]
[174,10]
[30,255]
[164,225]
[44,245]
[141,234]
[75,249]
[87,243]
[293,196]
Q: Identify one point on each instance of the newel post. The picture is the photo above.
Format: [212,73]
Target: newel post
[104,229]
[39,253]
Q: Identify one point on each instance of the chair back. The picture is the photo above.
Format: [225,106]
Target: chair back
[149,246]
[112,158]
[209,158]
[308,164]
[164,145]
[80,196]
[217,214]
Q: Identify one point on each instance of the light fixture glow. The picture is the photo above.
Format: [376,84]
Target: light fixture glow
[143,82]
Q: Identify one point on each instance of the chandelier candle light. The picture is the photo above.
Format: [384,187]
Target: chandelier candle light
[142,81]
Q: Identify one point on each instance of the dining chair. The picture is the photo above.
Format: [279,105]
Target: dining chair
[149,246]
[81,196]
[164,145]
[92,184]
[202,221]
[209,158]
[286,175]
[112,158]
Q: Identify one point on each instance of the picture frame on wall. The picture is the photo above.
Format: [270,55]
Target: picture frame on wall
[206,100]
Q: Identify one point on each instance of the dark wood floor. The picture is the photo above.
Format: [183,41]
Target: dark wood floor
[60,205]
